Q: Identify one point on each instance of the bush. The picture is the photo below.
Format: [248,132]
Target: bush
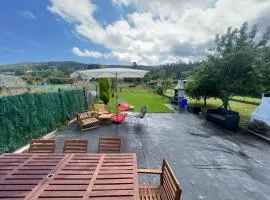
[104,96]
[54,80]
[104,89]
[31,115]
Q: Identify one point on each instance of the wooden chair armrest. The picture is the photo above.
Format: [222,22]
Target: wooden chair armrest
[150,171]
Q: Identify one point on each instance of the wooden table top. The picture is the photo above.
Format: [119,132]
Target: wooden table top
[106,116]
[68,176]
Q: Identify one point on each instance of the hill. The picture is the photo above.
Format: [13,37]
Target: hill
[65,68]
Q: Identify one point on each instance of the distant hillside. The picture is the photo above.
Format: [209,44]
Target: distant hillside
[62,64]
[65,68]
[9,80]
[44,65]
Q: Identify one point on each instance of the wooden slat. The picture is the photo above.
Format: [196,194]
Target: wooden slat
[75,146]
[150,171]
[135,178]
[12,194]
[111,193]
[115,171]
[57,194]
[113,198]
[69,182]
[16,187]
[66,188]
[113,181]
[31,172]
[58,198]
[113,187]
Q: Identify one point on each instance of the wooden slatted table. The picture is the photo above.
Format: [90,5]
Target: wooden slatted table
[68,176]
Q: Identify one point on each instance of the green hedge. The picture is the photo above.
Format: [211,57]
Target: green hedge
[31,115]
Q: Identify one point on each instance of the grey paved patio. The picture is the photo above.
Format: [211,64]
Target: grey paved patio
[210,163]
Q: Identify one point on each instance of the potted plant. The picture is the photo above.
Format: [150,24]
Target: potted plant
[194,108]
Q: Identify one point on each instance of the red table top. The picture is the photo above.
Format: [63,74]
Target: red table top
[68,176]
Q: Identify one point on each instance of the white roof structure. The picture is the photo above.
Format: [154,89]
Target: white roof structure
[180,85]
[262,113]
[109,73]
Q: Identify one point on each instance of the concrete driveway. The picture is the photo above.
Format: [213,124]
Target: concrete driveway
[210,163]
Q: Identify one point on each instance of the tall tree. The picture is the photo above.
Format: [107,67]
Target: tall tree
[233,62]
[239,65]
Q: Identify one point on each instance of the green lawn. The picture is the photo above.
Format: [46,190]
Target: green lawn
[247,99]
[156,103]
[139,99]
[245,110]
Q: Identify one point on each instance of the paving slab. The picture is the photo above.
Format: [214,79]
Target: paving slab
[211,163]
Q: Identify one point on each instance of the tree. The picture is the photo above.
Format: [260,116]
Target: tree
[201,84]
[165,81]
[104,89]
[134,65]
[239,65]
[232,62]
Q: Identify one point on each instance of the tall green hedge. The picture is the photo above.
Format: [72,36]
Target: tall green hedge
[31,115]
[104,89]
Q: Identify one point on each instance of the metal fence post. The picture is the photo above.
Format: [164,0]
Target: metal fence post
[85,97]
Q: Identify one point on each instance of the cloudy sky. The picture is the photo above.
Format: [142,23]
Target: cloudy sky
[120,31]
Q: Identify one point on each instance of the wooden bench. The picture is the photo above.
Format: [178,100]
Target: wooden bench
[42,146]
[75,146]
[110,144]
[87,123]
[169,188]
[86,115]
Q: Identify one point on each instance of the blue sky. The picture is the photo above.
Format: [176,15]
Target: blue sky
[29,32]
[119,31]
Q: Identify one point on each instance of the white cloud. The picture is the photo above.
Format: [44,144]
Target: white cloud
[158,31]
[26,14]
[85,53]
[125,57]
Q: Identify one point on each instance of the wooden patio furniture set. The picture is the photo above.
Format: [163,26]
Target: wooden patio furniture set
[75,174]
[92,119]
[101,114]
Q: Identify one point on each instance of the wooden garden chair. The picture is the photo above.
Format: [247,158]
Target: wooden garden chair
[87,123]
[101,109]
[109,144]
[75,146]
[42,146]
[86,115]
[169,188]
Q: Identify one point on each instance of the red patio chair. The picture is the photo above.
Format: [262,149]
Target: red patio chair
[119,118]
[124,107]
